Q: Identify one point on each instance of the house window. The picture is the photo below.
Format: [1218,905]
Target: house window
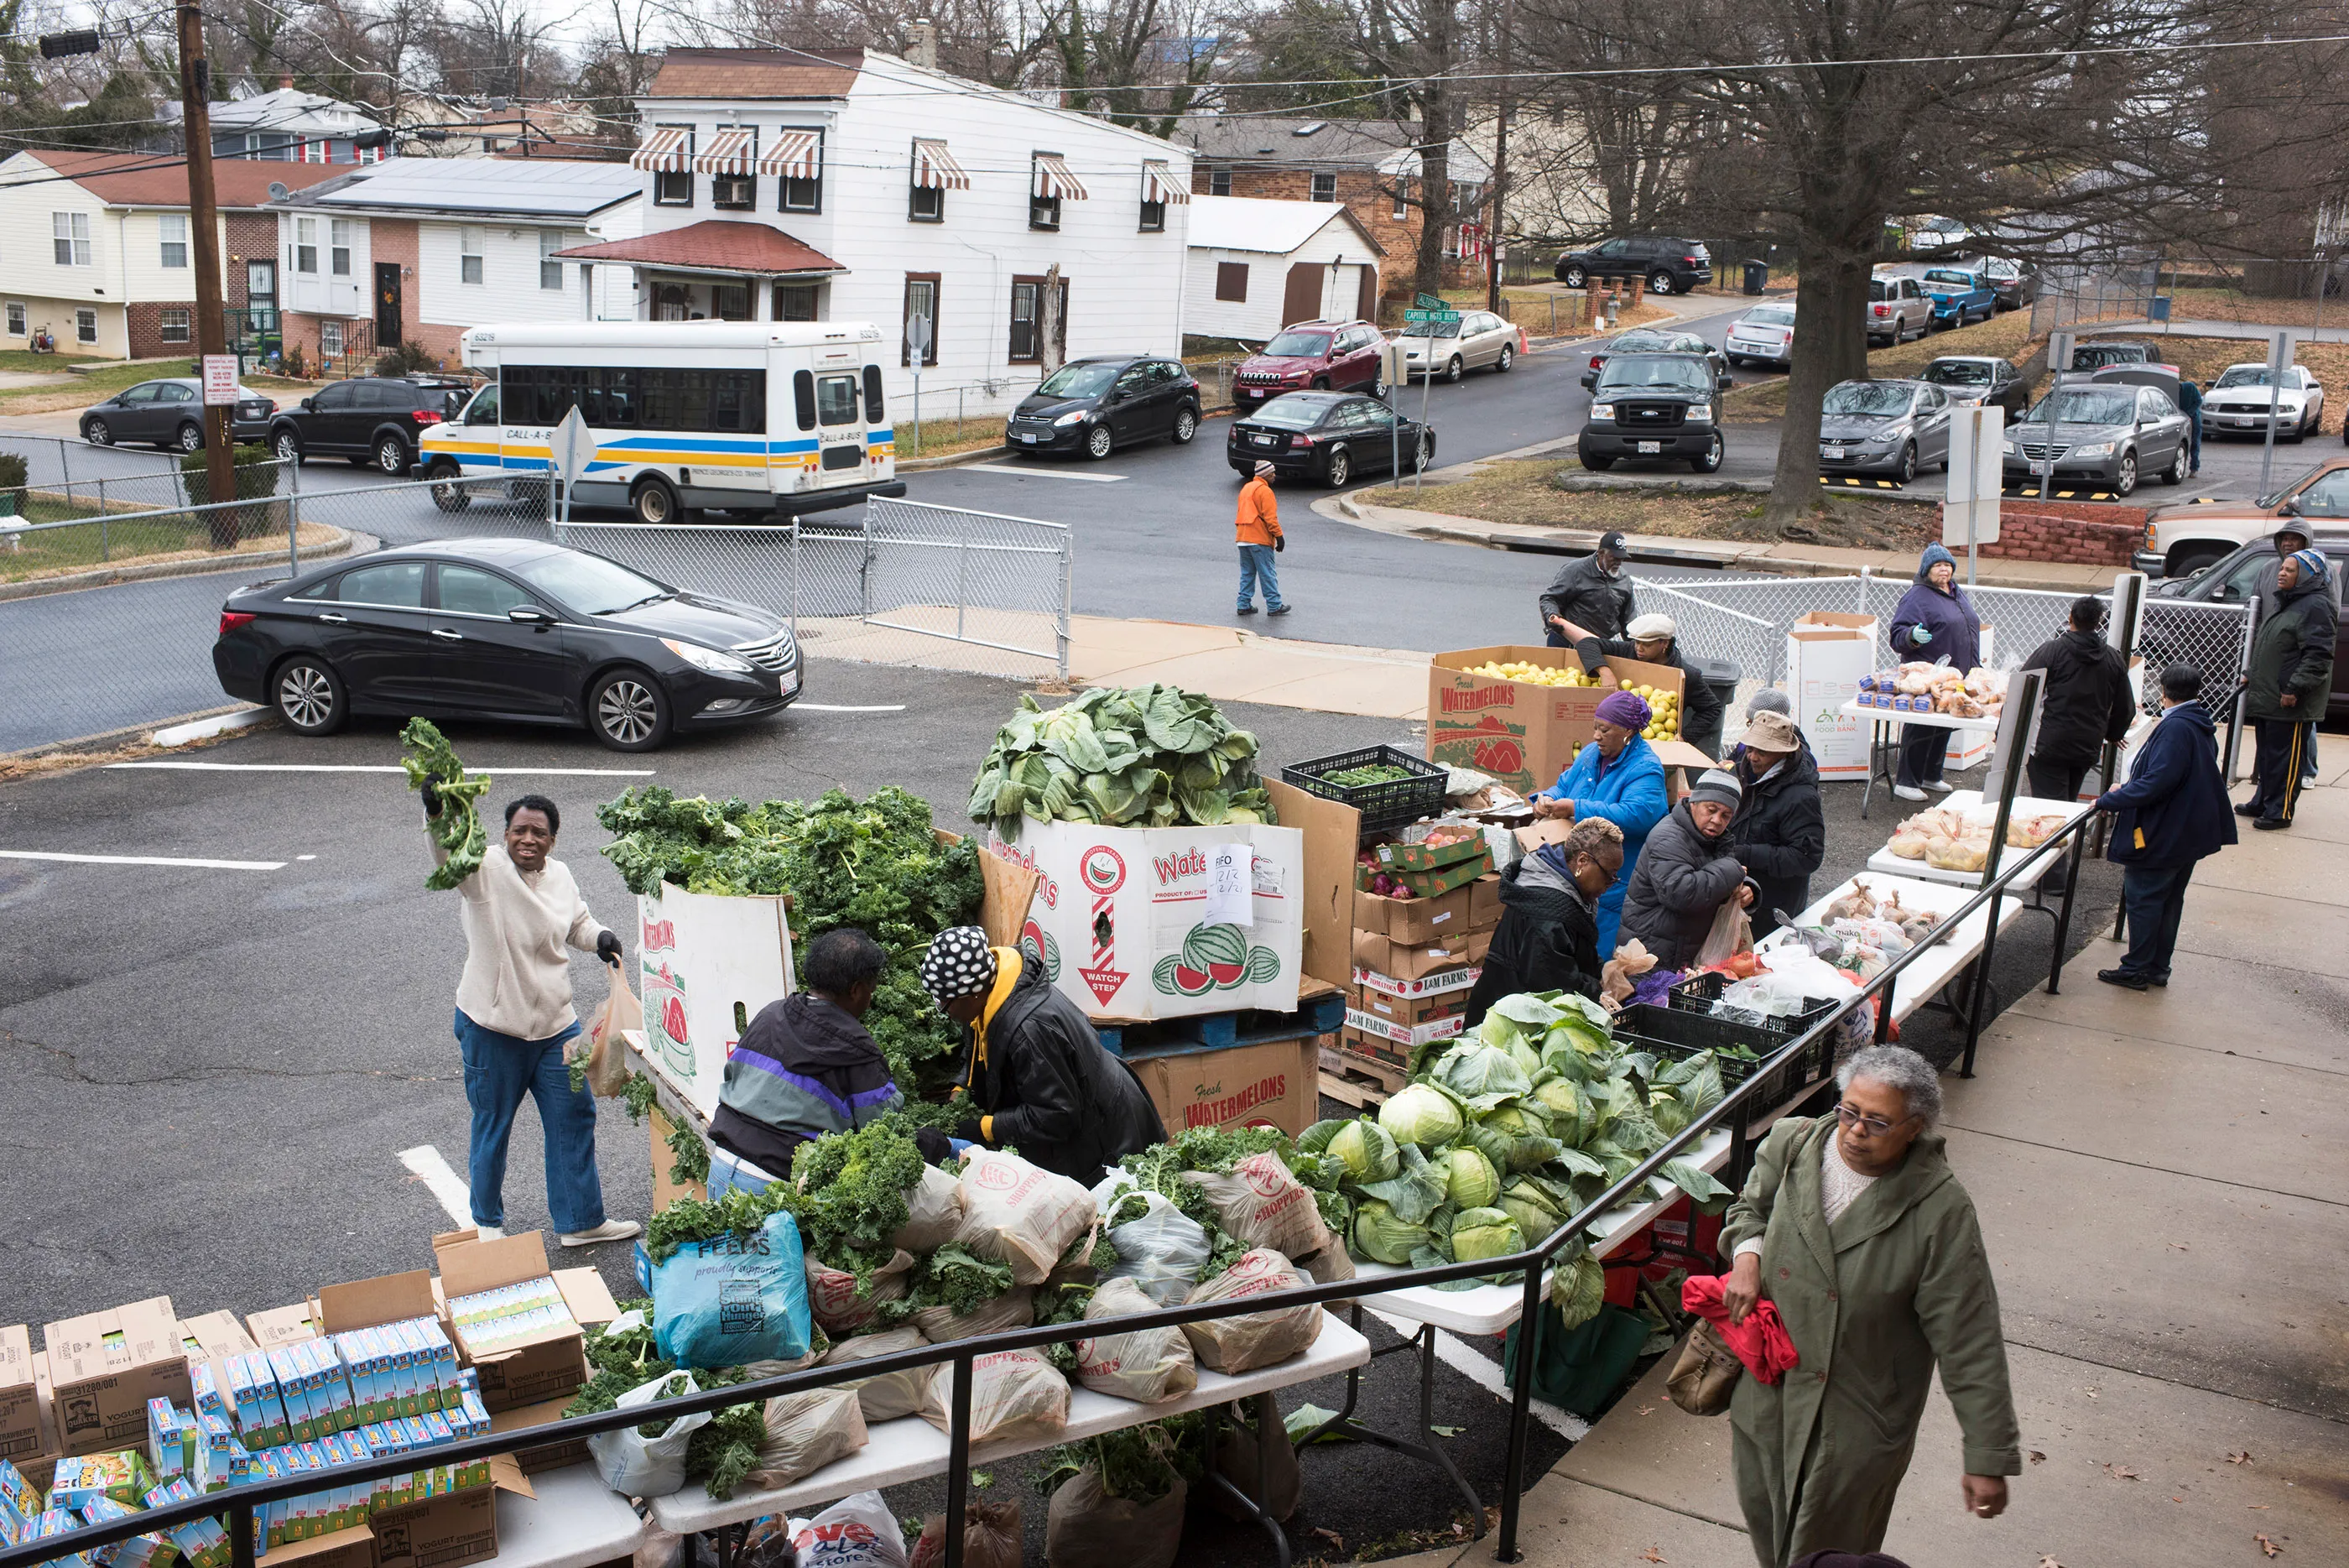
[734,193]
[1403,197]
[175,327]
[85,326]
[175,239]
[15,319]
[1027,319]
[71,232]
[794,302]
[306,245]
[1153,214]
[469,255]
[806,195]
[735,190]
[926,204]
[673,188]
[731,301]
[1043,212]
[550,271]
[921,299]
[330,339]
[1231,281]
[338,246]
[1219,182]
[1325,187]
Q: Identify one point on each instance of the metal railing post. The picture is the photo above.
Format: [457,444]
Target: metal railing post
[66,470]
[957,1460]
[1521,1409]
[1068,595]
[962,576]
[240,1536]
[865,570]
[798,529]
[293,517]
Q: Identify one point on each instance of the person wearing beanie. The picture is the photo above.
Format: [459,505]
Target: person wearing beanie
[1617,778]
[2171,813]
[1780,832]
[2085,701]
[1934,623]
[1257,530]
[2290,684]
[1590,592]
[1688,870]
[1654,639]
[2292,536]
[1769,699]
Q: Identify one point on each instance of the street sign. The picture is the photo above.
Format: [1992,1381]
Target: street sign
[572,447]
[1428,302]
[1394,366]
[1430,317]
[918,338]
[220,381]
[1977,476]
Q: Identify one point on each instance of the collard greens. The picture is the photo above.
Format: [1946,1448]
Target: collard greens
[1145,756]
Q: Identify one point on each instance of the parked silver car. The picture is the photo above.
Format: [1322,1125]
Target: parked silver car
[1897,309]
[1764,335]
[171,413]
[1887,427]
[2237,402]
[1450,349]
[2107,432]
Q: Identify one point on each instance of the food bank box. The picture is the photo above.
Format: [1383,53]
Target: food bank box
[103,1369]
[1522,733]
[1403,962]
[518,1323]
[1274,1085]
[1121,915]
[444,1531]
[1414,923]
[20,1396]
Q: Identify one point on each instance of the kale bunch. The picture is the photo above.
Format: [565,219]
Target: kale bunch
[427,757]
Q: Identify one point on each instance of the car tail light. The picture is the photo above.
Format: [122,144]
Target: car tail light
[1300,440]
[426,416]
[1881,310]
[1598,361]
[231,619]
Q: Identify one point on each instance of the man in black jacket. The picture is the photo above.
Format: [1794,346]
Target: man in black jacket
[1591,592]
[2084,702]
[805,1066]
[1655,638]
[1036,1078]
[1780,832]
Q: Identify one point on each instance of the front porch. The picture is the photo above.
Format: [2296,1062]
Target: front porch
[723,270]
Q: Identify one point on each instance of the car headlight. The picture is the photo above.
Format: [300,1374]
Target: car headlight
[708,659]
[1073,416]
[2100,449]
[2007,448]
[1602,410]
[1891,433]
[1699,415]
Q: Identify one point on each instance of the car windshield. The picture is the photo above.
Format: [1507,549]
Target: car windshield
[1869,397]
[2097,358]
[1630,373]
[1958,373]
[1298,346]
[589,583]
[1290,413]
[1435,329]
[2242,375]
[1960,279]
[2088,406]
[1771,316]
[2274,496]
[1079,380]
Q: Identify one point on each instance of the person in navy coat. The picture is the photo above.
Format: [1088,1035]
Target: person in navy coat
[2173,811]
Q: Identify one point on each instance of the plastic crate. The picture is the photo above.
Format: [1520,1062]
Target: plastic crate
[1383,806]
[1685,1033]
[1700,991]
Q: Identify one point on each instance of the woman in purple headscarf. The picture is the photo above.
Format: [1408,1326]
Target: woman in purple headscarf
[1617,778]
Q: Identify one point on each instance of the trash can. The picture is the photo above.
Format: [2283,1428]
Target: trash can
[1722,676]
[1757,276]
[2157,308]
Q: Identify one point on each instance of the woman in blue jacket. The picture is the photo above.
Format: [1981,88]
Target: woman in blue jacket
[2172,812]
[1617,778]
[1934,622]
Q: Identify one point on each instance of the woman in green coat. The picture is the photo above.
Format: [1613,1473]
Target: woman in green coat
[1855,1227]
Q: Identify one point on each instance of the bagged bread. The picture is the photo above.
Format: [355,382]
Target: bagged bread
[1015,1308]
[805,1432]
[990,1535]
[1259,1204]
[833,1296]
[934,1206]
[891,1394]
[1148,1365]
[1013,1394]
[1088,1528]
[1242,1344]
[1019,1214]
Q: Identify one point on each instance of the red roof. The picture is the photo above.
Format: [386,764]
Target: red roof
[160,180]
[731,74]
[714,244]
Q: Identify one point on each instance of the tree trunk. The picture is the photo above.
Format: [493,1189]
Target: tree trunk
[1830,345]
[1052,332]
[1436,150]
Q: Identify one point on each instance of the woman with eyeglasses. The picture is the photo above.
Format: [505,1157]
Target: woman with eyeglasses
[1855,1227]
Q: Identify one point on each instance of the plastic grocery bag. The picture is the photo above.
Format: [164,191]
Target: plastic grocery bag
[1087,1528]
[1731,933]
[1019,1213]
[990,1536]
[1147,1365]
[733,1299]
[1259,1204]
[857,1531]
[893,1394]
[805,1432]
[1013,1394]
[837,1306]
[934,1212]
[1161,1250]
[636,1466]
[1015,1308]
[1242,1344]
[602,1055]
[1617,975]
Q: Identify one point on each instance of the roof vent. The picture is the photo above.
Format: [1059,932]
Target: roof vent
[278,190]
[1311,126]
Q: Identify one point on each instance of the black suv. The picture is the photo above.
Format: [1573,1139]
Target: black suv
[1669,265]
[1655,405]
[368,419]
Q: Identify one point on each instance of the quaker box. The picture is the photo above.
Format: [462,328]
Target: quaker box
[20,1396]
[1274,1085]
[1522,733]
[447,1530]
[1827,655]
[105,1367]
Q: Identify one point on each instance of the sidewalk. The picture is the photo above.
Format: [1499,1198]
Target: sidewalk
[2160,1182]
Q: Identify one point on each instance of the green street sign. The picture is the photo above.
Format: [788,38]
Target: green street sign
[1429,302]
[1430,317]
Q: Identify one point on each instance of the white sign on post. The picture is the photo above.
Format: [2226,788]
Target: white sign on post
[917,340]
[570,450]
[1231,885]
[1977,475]
[220,381]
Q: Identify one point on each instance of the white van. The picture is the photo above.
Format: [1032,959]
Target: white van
[759,418]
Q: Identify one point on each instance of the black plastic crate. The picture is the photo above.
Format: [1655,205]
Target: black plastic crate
[1688,1032]
[1395,804]
[1698,992]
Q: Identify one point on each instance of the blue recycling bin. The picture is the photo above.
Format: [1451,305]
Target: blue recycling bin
[2159,309]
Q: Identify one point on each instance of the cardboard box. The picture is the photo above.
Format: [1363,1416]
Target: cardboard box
[1119,912]
[1388,956]
[443,1532]
[105,1367]
[1370,1048]
[1827,653]
[1276,1084]
[282,1326]
[214,1336]
[1485,903]
[533,1367]
[20,1396]
[546,1456]
[1432,884]
[1325,897]
[665,1189]
[1407,1022]
[703,961]
[1522,733]
[1462,980]
[1414,923]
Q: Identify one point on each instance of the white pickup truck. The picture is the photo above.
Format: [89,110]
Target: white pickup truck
[2181,540]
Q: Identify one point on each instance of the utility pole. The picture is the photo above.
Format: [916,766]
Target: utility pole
[203,219]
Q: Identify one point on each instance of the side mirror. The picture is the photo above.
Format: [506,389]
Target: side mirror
[529,615]
[2288,509]
[1724,382]
[306,405]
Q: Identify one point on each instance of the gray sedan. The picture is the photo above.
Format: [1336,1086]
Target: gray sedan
[171,413]
[2106,433]
[1887,427]
[1478,339]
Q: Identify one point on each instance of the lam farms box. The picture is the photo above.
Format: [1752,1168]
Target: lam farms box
[1523,733]
[105,1367]
[1407,1022]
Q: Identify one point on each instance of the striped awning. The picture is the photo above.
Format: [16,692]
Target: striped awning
[935,167]
[1053,179]
[1160,185]
[732,150]
[667,151]
[796,155]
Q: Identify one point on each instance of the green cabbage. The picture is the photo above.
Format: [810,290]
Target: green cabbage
[1534,1206]
[1366,1149]
[1422,1114]
[1688,1178]
[1482,1075]
[1579,1290]
[1568,1109]
[1516,1116]
[1480,1233]
[1316,1139]
[1470,1180]
[1416,1190]
[1378,1235]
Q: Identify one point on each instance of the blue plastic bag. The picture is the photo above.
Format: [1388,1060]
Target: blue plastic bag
[734,1300]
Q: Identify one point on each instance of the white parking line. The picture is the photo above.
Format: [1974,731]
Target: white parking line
[1027,472]
[372,768]
[1486,1375]
[143,860]
[456,1199]
[834,708]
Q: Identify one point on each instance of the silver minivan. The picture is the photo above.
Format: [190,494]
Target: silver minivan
[1897,309]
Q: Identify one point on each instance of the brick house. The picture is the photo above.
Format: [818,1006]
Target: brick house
[1370,166]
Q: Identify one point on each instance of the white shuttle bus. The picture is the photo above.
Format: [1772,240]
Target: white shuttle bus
[760,417]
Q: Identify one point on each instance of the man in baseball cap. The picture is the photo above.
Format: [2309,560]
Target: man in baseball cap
[1780,832]
[1590,592]
[1654,639]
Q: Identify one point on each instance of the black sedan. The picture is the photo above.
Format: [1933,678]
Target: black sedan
[171,413]
[1095,406]
[1333,437]
[508,629]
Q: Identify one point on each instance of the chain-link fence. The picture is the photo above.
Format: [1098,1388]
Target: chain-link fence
[2070,293]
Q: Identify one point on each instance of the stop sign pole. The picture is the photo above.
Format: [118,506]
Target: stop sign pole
[917,348]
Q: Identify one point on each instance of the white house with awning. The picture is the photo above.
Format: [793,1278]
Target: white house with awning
[1258,264]
[850,185]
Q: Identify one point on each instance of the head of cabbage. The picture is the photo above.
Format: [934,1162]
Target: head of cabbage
[1366,1149]
[1422,1114]
[1566,1106]
[1378,1235]
[1533,1206]
[1470,1180]
[1480,1233]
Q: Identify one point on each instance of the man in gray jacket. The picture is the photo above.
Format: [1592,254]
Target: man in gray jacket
[1590,593]
[1687,870]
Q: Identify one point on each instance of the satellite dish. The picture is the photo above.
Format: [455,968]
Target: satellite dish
[278,190]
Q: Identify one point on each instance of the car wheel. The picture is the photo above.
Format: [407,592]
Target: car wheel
[288,447]
[1906,468]
[1597,464]
[1708,460]
[1426,453]
[655,501]
[1660,282]
[391,456]
[98,432]
[1098,442]
[449,492]
[1378,386]
[1187,425]
[1340,467]
[1508,359]
[1245,470]
[628,711]
[309,696]
[1320,383]
[2298,431]
[190,438]
[2186,563]
[2125,475]
[1574,277]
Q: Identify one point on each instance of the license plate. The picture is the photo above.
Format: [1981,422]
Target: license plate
[1832,454]
[790,682]
[1028,436]
[1651,446]
[1265,440]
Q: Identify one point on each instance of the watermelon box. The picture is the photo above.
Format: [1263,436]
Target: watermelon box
[708,964]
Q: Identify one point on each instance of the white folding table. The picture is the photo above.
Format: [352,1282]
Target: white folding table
[1883,744]
[1971,800]
[1923,980]
[574,1521]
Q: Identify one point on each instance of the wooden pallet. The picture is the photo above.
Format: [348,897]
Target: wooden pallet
[1358,1081]
[1320,1010]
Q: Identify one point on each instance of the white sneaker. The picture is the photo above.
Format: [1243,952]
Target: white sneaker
[609,1231]
[489,1233]
[1941,787]
[1907,791]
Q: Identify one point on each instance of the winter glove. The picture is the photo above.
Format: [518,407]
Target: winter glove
[608,948]
[431,799]
[971,1131]
[1279,542]
[936,1148]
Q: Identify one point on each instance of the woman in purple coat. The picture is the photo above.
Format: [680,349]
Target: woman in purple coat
[1935,621]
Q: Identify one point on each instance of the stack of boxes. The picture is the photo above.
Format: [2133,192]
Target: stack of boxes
[1416,957]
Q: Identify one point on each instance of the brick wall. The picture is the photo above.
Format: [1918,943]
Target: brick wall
[2075,533]
[144,322]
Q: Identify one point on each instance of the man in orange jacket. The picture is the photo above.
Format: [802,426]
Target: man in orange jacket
[1258,527]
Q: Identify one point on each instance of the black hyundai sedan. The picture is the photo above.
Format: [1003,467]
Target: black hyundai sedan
[1334,437]
[1095,406]
[503,628]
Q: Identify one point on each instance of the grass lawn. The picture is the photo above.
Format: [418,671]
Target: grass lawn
[2264,309]
[127,539]
[94,387]
[43,364]
[940,437]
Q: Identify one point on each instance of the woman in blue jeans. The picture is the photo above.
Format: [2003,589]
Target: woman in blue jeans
[520,911]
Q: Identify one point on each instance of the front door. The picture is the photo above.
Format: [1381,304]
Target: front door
[485,662]
[261,307]
[375,636]
[386,304]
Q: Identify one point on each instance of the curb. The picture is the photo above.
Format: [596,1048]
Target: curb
[205,729]
[108,577]
[950,460]
[129,735]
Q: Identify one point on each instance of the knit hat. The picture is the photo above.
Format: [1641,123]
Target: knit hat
[1717,786]
[1769,699]
[959,963]
[1767,732]
[1649,627]
[1264,468]
[1624,711]
[1933,557]
[2314,568]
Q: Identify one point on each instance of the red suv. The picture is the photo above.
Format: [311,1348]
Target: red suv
[1337,356]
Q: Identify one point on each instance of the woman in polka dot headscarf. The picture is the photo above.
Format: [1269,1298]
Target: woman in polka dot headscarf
[1035,1077]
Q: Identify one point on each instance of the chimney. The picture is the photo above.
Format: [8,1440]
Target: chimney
[922,45]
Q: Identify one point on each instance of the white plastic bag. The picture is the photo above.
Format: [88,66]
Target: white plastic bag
[891,1394]
[1731,933]
[1148,1365]
[1163,1251]
[1013,1394]
[636,1466]
[1019,1213]
[934,1212]
[857,1531]
[1234,1345]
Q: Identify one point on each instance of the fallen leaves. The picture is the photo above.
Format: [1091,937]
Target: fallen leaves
[2037,1458]
[2269,1547]
[1652,1555]
[2048,1562]
[2120,1472]
[1647,1409]
[1337,1541]
[2240,1457]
